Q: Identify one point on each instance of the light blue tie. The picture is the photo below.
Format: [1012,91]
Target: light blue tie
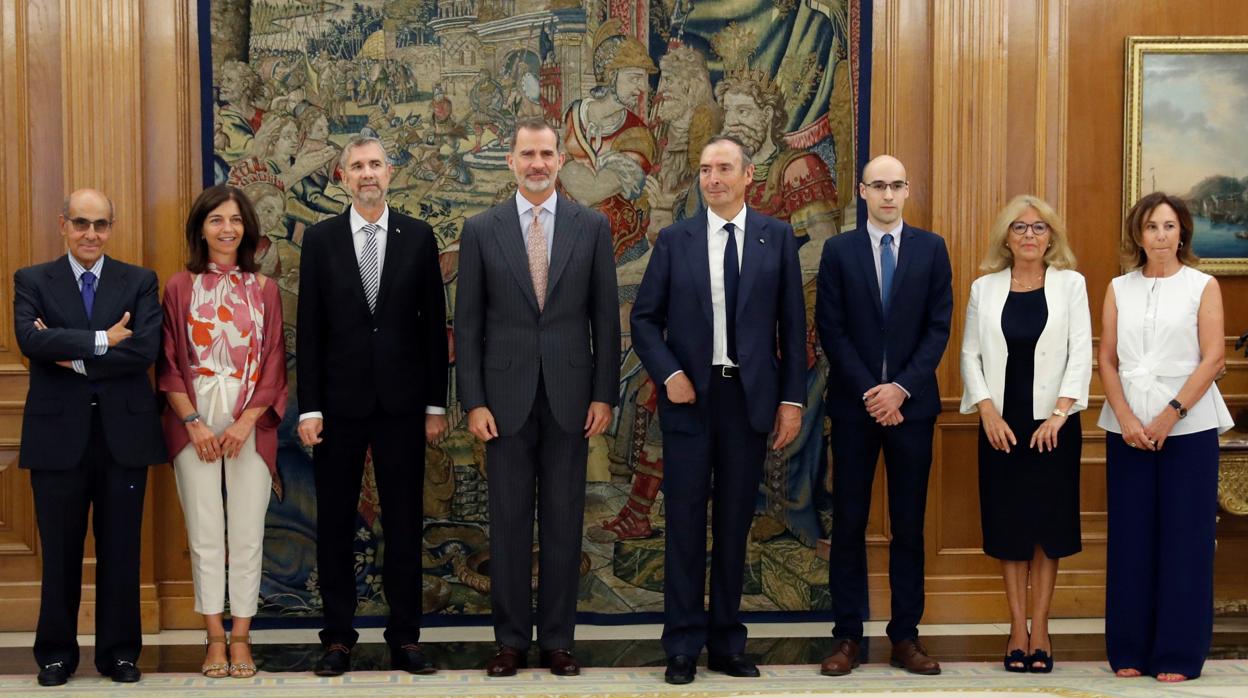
[888,265]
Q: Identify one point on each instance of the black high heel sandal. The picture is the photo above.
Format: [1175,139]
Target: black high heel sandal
[1040,657]
[1016,662]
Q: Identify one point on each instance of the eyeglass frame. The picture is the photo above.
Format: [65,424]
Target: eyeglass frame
[1029,228]
[82,225]
[879,186]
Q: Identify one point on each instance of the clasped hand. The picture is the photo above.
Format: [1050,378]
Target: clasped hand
[210,447]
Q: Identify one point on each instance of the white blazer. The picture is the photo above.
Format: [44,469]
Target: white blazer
[1063,357]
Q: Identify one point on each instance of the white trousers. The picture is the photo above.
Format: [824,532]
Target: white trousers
[212,519]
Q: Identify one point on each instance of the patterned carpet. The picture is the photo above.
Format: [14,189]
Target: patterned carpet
[1228,678]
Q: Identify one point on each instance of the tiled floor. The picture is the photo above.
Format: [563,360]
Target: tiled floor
[294,650]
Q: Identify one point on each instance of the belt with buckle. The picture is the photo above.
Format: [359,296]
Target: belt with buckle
[725,371]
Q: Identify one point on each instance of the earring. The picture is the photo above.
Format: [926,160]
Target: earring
[1180,244]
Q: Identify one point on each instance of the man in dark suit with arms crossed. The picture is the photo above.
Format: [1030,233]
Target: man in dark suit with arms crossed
[720,323]
[372,362]
[882,310]
[537,328]
[90,326]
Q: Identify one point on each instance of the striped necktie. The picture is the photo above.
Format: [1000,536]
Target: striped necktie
[370,269]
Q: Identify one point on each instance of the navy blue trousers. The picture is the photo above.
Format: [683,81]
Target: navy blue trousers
[1159,577]
[723,463]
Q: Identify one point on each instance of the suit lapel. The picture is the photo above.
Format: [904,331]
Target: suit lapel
[511,240]
[903,260]
[343,248]
[757,240]
[108,294]
[866,265]
[396,249]
[561,246]
[700,262]
[66,294]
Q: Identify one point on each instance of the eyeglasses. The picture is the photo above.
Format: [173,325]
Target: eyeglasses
[879,185]
[82,225]
[1039,228]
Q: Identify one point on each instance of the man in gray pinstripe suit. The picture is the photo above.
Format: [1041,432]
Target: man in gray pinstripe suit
[538,338]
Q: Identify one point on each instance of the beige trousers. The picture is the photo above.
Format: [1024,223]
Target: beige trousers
[212,519]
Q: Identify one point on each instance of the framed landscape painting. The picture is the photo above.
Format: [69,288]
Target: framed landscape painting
[1187,134]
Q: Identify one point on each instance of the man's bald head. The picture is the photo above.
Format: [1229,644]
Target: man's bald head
[884,167]
[884,187]
[91,194]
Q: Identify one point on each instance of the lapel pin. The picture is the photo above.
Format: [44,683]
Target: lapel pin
[762,241]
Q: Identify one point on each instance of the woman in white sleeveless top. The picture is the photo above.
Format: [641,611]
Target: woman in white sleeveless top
[1162,345]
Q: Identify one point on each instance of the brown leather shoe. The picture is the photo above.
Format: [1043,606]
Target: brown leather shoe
[505,662]
[561,663]
[843,659]
[911,656]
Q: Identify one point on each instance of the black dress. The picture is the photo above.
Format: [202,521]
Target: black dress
[1028,498]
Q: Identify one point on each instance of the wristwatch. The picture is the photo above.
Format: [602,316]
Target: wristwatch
[192,417]
[1178,407]
[1058,413]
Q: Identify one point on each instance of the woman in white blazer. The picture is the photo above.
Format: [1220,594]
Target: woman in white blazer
[1026,366]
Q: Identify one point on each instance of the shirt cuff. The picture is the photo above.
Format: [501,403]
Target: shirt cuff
[798,405]
[672,376]
[903,389]
[434,409]
[311,415]
[101,342]
[79,367]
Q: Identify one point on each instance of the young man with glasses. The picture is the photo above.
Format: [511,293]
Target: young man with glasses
[883,309]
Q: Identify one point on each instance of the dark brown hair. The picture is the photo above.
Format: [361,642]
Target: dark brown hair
[1133,255]
[537,123]
[206,203]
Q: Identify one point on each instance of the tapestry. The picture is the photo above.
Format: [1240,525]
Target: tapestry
[635,87]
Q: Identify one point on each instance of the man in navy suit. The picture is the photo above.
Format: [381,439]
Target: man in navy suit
[720,322]
[883,308]
[90,326]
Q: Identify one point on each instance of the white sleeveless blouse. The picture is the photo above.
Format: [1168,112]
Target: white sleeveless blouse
[1159,347]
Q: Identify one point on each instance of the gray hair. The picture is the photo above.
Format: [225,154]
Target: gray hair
[359,141]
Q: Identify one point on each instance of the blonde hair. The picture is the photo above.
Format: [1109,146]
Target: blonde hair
[1058,255]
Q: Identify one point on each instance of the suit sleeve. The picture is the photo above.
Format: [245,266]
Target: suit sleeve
[648,320]
[830,320]
[470,320]
[792,316]
[974,384]
[52,344]
[310,332]
[605,318]
[918,371]
[433,302]
[136,353]
[1078,375]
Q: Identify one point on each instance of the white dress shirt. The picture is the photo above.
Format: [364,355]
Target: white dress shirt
[525,209]
[716,248]
[101,336]
[358,239]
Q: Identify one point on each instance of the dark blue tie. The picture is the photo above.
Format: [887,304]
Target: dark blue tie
[732,275]
[88,292]
[888,265]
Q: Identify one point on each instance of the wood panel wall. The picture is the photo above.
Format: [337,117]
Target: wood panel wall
[982,99]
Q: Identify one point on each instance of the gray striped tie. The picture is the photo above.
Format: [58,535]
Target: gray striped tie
[370,270]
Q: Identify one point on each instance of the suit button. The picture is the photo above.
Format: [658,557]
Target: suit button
[374,329]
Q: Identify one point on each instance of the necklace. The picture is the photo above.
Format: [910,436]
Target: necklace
[1039,280]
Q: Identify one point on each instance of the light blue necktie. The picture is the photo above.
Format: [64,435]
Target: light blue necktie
[888,265]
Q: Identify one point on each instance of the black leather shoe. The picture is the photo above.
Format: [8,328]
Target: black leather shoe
[335,662]
[732,665]
[124,671]
[561,663]
[54,674]
[680,669]
[411,657]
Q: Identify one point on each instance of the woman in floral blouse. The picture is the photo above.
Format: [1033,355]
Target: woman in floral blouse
[222,371]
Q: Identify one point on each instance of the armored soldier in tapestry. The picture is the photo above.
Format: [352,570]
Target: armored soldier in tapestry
[635,88]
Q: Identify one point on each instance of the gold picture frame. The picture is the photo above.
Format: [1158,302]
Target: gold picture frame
[1179,118]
